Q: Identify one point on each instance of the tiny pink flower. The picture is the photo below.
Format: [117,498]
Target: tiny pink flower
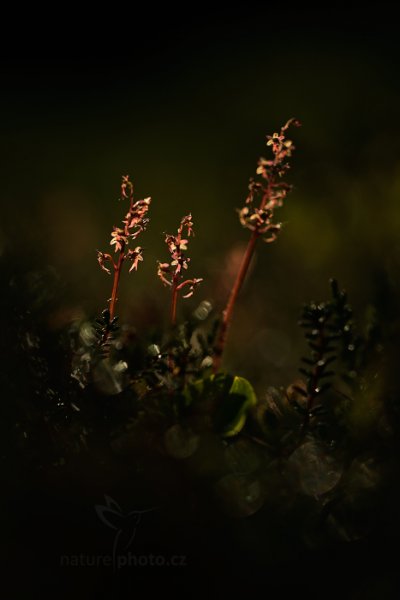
[102,259]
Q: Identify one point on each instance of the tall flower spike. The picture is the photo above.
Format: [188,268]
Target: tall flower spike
[171,273]
[268,188]
[134,223]
[266,193]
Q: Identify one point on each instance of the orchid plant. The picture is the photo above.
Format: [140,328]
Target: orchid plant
[134,223]
[172,273]
[269,191]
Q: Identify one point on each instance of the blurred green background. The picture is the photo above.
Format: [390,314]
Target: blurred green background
[183,105]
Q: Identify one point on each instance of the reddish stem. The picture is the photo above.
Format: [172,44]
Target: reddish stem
[118,266]
[117,275]
[174,300]
[228,312]
[182,285]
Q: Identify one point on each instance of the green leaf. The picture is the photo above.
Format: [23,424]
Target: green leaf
[230,398]
[208,388]
[243,387]
[232,411]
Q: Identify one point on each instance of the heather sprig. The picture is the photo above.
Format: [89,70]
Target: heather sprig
[172,273]
[335,349]
[321,335]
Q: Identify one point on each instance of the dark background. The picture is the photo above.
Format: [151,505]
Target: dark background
[182,100]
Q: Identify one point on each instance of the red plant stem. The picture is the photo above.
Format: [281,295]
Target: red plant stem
[114,296]
[174,300]
[228,312]
[118,266]
[182,285]
[117,275]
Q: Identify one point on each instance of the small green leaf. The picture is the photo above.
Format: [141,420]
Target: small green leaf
[232,411]
[243,387]
[230,397]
